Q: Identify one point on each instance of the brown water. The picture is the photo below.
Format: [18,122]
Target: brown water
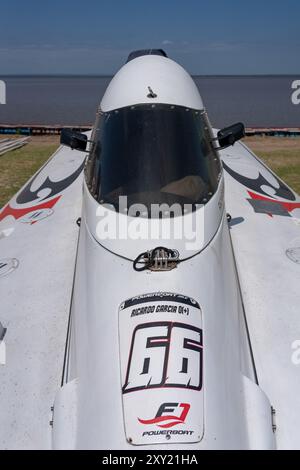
[257,101]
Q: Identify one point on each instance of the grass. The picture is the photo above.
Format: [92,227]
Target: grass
[281,154]
[17,166]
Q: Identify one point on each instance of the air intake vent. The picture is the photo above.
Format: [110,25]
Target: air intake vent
[141,52]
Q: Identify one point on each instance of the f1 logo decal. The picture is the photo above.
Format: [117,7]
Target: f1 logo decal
[164,419]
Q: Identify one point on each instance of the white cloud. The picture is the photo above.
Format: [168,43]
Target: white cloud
[167,42]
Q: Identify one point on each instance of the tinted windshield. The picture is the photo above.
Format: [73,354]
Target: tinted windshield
[153,154]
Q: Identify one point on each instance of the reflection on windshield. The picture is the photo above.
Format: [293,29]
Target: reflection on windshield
[153,154]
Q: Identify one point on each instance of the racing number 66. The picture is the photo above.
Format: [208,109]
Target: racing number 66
[164,354]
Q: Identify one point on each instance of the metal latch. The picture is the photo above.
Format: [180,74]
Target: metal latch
[158,259]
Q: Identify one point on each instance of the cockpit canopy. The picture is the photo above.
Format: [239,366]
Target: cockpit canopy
[153,154]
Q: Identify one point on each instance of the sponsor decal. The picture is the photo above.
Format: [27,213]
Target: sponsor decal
[158,297]
[266,205]
[21,213]
[164,417]
[36,215]
[294,254]
[260,200]
[8,265]
[167,434]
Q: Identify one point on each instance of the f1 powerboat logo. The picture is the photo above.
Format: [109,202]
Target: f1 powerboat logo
[166,417]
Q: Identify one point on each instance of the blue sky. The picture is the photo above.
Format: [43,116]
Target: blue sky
[95,36]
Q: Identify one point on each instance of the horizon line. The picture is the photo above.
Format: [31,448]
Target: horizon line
[106,75]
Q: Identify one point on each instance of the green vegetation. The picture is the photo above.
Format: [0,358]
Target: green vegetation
[281,154]
[17,166]
[286,164]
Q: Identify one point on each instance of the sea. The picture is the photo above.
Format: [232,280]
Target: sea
[257,101]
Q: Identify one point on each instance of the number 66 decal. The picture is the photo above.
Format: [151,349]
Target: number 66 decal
[164,354]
